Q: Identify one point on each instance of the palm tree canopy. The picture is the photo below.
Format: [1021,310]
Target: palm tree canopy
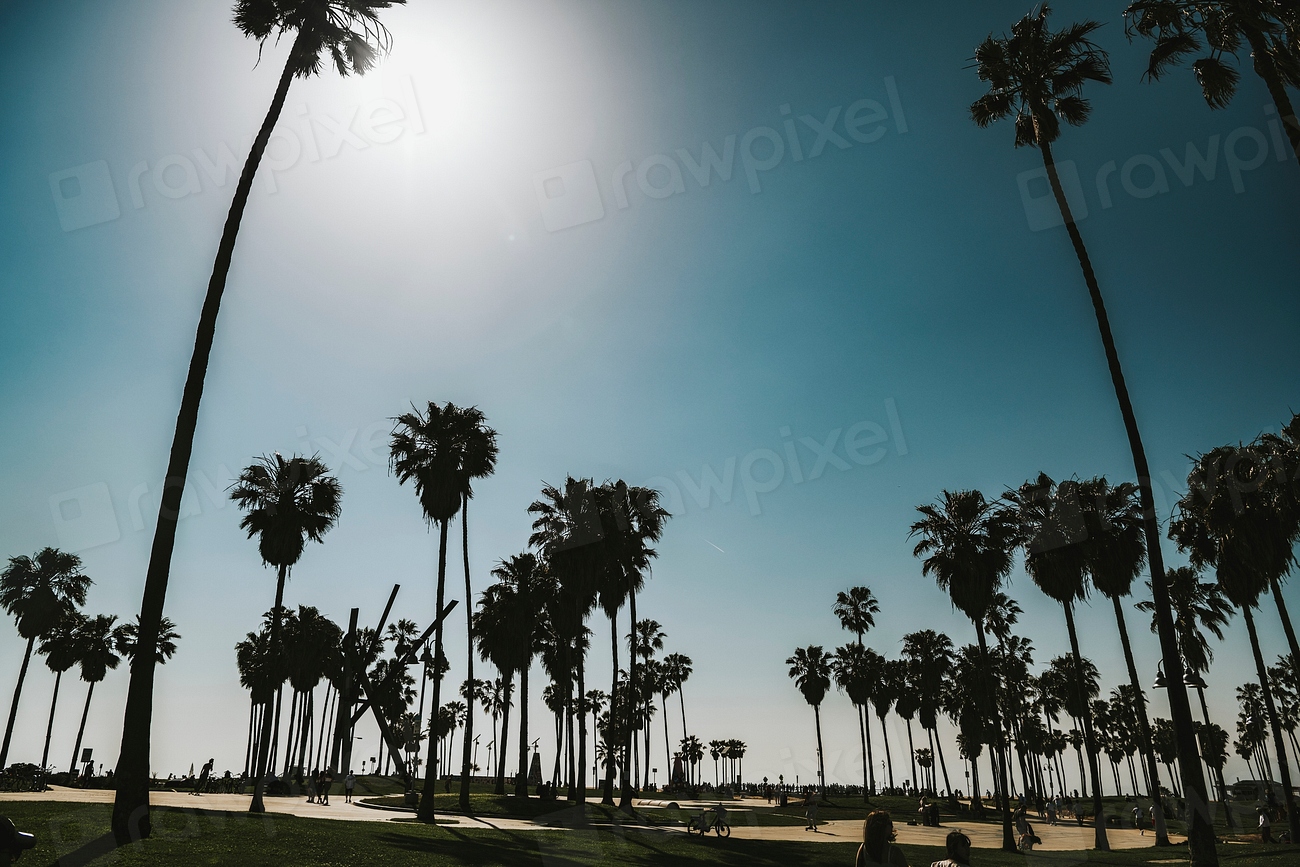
[1197,605]
[1003,613]
[1037,75]
[855,670]
[287,502]
[95,642]
[811,670]
[1053,532]
[856,609]
[348,32]
[40,590]
[929,657]
[59,644]
[442,450]
[967,547]
[1215,29]
[1116,549]
[126,637]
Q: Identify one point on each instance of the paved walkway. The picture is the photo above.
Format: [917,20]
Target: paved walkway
[742,816]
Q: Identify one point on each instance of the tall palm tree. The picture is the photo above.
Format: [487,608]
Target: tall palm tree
[286,503]
[1037,75]
[127,636]
[929,655]
[649,639]
[261,674]
[38,592]
[853,675]
[856,609]
[95,642]
[1052,532]
[349,35]
[677,669]
[885,689]
[810,668]
[1217,28]
[967,546]
[1116,555]
[59,648]
[478,462]
[1227,521]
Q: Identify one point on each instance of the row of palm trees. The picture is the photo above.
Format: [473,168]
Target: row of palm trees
[44,593]
[1239,518]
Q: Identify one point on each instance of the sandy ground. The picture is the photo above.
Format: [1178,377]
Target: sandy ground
[741,816]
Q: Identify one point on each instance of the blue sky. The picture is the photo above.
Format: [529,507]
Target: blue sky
[452,228]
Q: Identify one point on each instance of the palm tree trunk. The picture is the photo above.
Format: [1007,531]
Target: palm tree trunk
[884,736]
[1279,745]
[49,727]
[1144,728]
[1089,742]
[911,754]
[996,756]
[426,811]
[503,747]
[305,730]
[13,707]
[81,730]
[288,740]
[1267,70]
[248,751]
[607,797]
[131,803]
[866,761]
[625,793]
[1201,839]
[1218,772]
[871,759]
[582,729]
[681,700]
[943,765]
[259,788]
[467,758]
[521,783]
[821,763]
[668,747]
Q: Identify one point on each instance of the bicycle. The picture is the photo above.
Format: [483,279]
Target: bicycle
[709,819]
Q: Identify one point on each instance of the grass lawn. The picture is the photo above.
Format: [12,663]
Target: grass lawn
[198,837]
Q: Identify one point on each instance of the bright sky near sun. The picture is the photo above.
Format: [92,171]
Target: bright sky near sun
[755,255]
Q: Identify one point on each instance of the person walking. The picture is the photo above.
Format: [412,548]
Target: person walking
[810,811]
[349,783]
[1137,820]
[958,846]
[1265,826]
[326,781]
[878,849]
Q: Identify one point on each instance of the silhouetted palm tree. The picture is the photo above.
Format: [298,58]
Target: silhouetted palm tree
[286,503]
[1052,531]
[1116,554]
[59,648]
[884,693]
[1227,520]
[95,642]
[856,609]
[929,656]
[348,35]
[810,668]
[853,675]
[967,547]
[38,592]
[261,674]
[1037,75]
[1216,29]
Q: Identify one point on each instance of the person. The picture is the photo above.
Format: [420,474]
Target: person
[810,810]
[327,780]
[958,846]
[349,783]
[878,849]
[1265,827]
[1137,820]
[311,786]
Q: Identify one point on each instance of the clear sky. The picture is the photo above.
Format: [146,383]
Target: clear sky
[511,211]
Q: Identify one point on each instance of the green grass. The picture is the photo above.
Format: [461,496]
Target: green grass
[199,837]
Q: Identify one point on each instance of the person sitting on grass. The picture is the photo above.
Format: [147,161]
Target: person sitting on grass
[878,849]
[958,845]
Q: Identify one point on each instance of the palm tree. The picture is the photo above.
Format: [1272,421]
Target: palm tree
[1227,520]
[851,668]
[1037,75]
[856,609]
[127,636]
[350,35]
[59,648]
[1199,606]
[95,641]
[810,668]
[885,689]
[649,639]
[929,656]
[1052,532]
[1116,555]
[967,544]
[478,461]
[286,503]
[677,670]
[38,592]
[261,674]
[1182,28]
